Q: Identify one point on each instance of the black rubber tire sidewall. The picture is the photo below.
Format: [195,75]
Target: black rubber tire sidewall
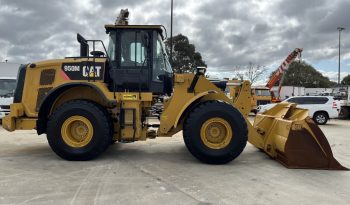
[194,123]
[99,119]
[318,114]
[344,113]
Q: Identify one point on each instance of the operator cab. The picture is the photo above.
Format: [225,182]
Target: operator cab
[138,61]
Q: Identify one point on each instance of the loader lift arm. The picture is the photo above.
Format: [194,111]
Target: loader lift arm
[285,132]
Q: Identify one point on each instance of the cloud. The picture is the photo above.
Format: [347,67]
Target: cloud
[333,75]
[227,33]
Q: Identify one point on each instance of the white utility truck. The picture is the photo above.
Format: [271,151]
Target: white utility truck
[342,94]
[7,88]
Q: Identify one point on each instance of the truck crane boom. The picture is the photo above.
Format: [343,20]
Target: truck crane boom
[279,73]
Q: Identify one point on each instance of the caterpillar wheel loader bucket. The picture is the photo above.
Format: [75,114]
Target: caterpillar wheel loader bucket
[293,139]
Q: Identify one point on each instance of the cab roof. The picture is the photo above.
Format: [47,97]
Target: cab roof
[110,27]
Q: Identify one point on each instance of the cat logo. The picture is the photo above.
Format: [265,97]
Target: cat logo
[82,71]
[91,71]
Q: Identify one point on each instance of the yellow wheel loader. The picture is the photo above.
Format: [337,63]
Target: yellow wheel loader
[85,103]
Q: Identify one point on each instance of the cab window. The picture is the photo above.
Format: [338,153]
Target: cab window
[134,49]
[161,63]
[309,100]
[7,87]
[111,47]
[294,100]
[263,92]
[318,100]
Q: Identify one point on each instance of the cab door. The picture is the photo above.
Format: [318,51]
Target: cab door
[131,70]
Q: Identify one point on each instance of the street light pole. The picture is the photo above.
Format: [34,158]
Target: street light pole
[340,29]
[171,33]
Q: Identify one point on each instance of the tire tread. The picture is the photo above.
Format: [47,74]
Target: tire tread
[191,120]
[99,112]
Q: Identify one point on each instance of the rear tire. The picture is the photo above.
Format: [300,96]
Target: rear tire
[215,132]
[344,113]
[79,130]
[320,118]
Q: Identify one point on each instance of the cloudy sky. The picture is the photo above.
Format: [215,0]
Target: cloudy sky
[228,33]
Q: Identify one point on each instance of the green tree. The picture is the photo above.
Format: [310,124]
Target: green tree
[346,80]
[185,57]
[304,75]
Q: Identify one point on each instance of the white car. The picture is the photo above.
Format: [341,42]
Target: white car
[7,87]
[321,108]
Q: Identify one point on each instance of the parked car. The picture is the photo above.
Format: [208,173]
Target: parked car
[7,87]
[321,108]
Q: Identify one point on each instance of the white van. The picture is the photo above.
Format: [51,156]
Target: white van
[7,88]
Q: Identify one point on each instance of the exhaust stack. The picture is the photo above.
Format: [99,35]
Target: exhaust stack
[84,46]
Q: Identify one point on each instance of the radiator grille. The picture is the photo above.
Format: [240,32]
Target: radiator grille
[47,76]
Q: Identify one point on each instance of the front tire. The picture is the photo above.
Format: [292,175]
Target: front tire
[320,118]
[79,130]
[215,132]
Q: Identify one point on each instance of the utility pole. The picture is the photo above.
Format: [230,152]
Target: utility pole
[340,29]
[171,34]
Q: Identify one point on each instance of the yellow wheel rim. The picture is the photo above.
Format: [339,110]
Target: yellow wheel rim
[77,131]
[216,133]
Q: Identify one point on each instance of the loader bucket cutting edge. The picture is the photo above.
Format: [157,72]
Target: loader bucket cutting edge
[296,142]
